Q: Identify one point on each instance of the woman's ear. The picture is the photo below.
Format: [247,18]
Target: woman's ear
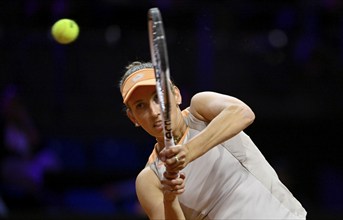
[177,95]
[131,117]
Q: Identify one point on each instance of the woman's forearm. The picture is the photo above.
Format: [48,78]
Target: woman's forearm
[172,210]
[227,124]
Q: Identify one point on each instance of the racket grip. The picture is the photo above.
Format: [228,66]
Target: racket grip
[171,175]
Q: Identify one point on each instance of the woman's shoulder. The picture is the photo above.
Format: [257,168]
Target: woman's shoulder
[144,174]
[146,177]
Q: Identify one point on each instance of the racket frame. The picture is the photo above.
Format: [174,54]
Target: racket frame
[160,61]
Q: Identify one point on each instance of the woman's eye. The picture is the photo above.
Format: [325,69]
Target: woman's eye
[156,100]
[139,106]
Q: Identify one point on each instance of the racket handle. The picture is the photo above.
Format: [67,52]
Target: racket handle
[172,175]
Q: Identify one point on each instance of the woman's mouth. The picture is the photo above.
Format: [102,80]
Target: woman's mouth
[158,124]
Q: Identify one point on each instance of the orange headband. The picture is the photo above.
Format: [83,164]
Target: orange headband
[142,77]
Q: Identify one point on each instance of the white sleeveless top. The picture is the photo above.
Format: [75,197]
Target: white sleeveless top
[233,181]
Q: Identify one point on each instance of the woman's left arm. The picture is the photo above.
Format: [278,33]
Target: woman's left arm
[226,116]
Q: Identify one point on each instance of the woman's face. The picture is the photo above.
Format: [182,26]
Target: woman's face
[144,109]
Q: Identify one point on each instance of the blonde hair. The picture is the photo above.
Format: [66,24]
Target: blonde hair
[133,67]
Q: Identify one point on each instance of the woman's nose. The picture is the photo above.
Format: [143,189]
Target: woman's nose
[155,108]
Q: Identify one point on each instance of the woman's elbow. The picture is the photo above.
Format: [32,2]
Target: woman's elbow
[249,115]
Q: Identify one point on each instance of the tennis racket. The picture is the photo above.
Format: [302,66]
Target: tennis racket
[159,57]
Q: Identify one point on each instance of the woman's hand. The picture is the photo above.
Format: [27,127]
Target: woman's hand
[173,187]
[175,158]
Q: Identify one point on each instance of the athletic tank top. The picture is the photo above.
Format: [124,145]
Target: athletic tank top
[232,181]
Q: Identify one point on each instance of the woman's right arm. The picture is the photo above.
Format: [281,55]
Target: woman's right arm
[151,195]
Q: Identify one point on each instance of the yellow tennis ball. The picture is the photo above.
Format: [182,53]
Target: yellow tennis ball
[65,31]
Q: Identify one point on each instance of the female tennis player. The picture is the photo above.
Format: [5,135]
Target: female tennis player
[222,174]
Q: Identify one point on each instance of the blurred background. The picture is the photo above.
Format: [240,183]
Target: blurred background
[69,152]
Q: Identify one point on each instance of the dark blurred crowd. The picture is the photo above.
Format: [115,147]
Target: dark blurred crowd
[24,158]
